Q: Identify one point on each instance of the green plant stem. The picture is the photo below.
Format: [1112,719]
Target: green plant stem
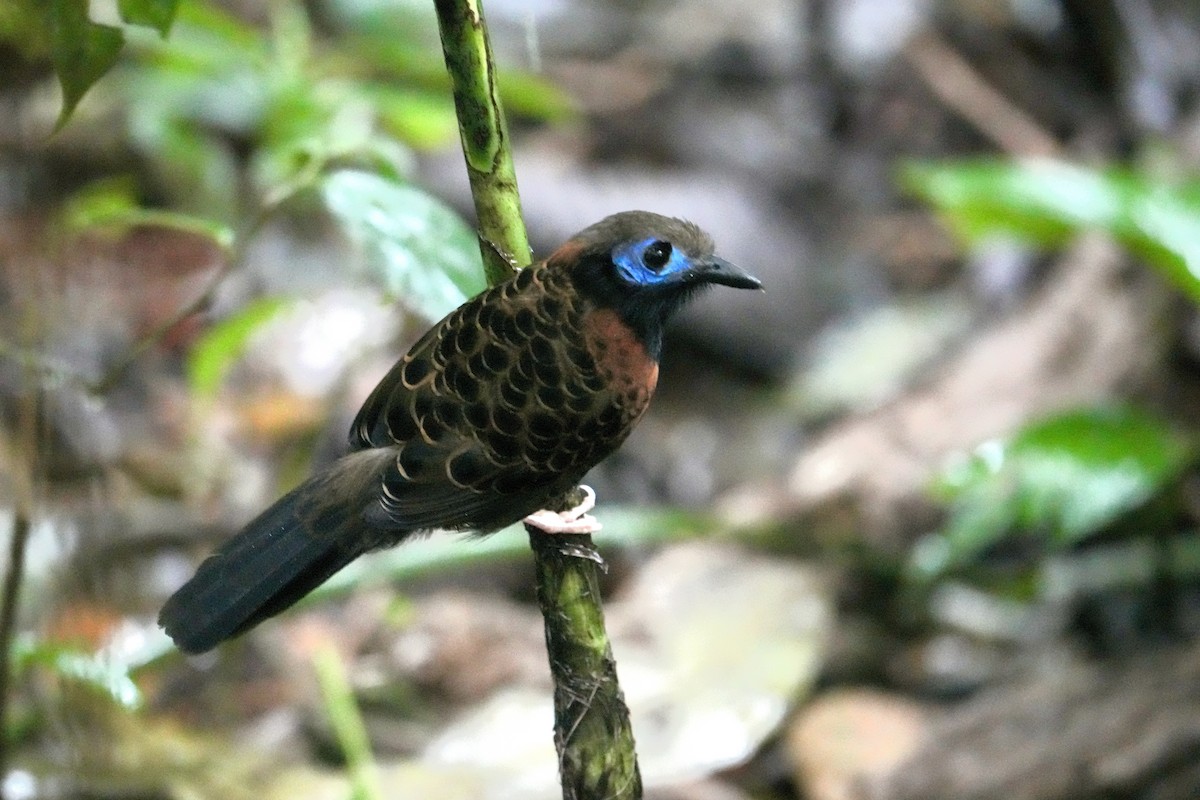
[484,137]
[347,723]
[592,733]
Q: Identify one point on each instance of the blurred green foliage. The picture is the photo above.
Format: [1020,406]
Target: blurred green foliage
[224,120]
[1064,479]
[221,345]
[1067,478]
[341,707]
[230,119]
[1047,202]
[107,673]
[156,14]
[624,526]
[112,205]
[287,104]
[81,49]
[321,85]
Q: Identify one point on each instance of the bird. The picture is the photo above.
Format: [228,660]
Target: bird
[497,411]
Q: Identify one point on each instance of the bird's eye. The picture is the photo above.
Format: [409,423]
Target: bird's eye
[657,255]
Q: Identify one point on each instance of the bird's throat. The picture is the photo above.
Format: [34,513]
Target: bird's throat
[621,356]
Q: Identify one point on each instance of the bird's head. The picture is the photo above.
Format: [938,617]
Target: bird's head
[645,266]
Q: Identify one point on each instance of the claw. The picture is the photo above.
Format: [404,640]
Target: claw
[573,520]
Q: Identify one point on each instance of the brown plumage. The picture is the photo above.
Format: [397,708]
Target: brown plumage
[499,409]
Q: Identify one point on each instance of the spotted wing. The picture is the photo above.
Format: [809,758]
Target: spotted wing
[494,412]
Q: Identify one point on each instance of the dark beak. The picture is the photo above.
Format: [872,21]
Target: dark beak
[718,270]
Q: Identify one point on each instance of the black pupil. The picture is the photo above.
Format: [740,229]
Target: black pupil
[657,255]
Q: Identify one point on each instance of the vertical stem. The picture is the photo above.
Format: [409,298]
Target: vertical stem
[13,578]
[484,136]
[592,734]
[347,722]
[8,627]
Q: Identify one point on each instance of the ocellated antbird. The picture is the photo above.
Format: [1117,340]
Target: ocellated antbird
[497,411]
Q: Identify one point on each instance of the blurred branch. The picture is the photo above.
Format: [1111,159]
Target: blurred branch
[22,456]
[114,373]
[49,370]
[960,86]
[234,251]
[8,625]
[592,733]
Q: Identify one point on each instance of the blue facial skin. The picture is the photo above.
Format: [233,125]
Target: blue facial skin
[630,263]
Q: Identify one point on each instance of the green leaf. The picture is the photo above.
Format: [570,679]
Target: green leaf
[1047,201]
[534,96]
[298,135]
[1066,477]
[419,248]
[291,40]
[309,130]
[217,350]
[82,50]
[422,118]
[109,676]
[25,29]
[198,170]
[99,202]
[206,41]
[112,203]
[240,37]
[157,14]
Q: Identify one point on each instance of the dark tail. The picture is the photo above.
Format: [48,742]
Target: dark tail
[282,555]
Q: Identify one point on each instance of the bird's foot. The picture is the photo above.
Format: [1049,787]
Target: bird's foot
[573,520]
